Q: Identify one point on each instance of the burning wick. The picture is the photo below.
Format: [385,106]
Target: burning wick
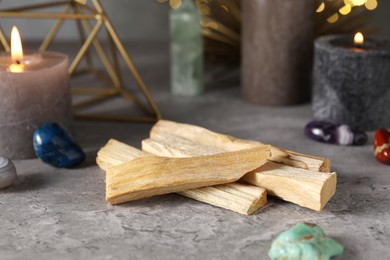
[16,47]
[359,39]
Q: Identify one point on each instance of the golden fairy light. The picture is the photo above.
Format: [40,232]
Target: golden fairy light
[371,4]
[320,8]
[356,2]
[334,18]
[346,7]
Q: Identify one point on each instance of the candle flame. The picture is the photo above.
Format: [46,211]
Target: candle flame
[16,46]
[359,38]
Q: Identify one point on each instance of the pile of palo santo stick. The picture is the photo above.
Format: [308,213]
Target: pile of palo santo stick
[213,168]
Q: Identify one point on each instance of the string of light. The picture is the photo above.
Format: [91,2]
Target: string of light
[346,8]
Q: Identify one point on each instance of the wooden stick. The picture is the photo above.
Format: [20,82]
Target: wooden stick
[241,198]
[306,188]
[115,153]
[147,176]
[303,187]
[229,143]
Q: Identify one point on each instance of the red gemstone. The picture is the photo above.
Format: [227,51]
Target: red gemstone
[382,146]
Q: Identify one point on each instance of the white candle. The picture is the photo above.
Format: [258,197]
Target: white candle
[34,89]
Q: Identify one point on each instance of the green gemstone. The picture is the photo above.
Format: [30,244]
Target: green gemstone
[304,242]
[186,50]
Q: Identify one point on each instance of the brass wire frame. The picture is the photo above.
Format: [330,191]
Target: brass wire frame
[83,13]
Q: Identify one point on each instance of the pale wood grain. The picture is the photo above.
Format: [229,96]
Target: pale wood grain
[152,175]
[303,187]
[310,189]
[115,153]
[229,143]
[241,198]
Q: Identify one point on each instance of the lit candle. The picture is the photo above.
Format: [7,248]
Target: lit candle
[352,80]
[34,89]
[358,39]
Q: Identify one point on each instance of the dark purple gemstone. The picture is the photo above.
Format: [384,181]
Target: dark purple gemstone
[340,134]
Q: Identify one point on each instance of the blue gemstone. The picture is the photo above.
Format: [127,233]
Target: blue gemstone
[340,134]
[54,146]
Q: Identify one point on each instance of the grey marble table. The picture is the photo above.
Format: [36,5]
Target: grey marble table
[62,214]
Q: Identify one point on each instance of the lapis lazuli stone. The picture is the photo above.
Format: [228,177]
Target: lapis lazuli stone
[340,134]
[54,146]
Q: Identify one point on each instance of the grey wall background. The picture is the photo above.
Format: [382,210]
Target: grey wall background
[137,20]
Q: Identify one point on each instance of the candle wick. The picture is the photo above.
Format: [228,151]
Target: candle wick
[18,62]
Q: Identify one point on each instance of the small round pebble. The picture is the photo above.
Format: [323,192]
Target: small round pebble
[382,146]
[7,173]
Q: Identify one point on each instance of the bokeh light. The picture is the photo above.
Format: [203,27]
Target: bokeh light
[321,8]
[347,7]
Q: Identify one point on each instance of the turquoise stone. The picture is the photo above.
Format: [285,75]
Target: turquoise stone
[304,242]
[186,50]
[54,146]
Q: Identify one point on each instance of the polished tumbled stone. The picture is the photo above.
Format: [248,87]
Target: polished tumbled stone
[53,145]
[7,173]
[340,134]
[304,241]
[382,146]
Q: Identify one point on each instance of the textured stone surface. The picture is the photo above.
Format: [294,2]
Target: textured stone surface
[325,132]
[54,146]
[62,214]
[352,87]
[305,241]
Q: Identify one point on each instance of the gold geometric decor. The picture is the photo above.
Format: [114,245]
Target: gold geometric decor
[91,19]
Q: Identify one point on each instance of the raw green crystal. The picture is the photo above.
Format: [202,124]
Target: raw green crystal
[186,50]
[304,242]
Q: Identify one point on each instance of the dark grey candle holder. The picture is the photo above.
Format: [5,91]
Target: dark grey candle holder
[351,83]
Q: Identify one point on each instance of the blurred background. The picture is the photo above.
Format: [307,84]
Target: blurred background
[142,20]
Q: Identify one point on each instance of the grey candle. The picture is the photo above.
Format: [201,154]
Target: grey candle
[277,47]
[31,94]
[352,81]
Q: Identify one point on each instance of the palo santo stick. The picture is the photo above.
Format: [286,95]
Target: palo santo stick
[115,153]
[241,198]
[151,175]
[229,143]
[306,188]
